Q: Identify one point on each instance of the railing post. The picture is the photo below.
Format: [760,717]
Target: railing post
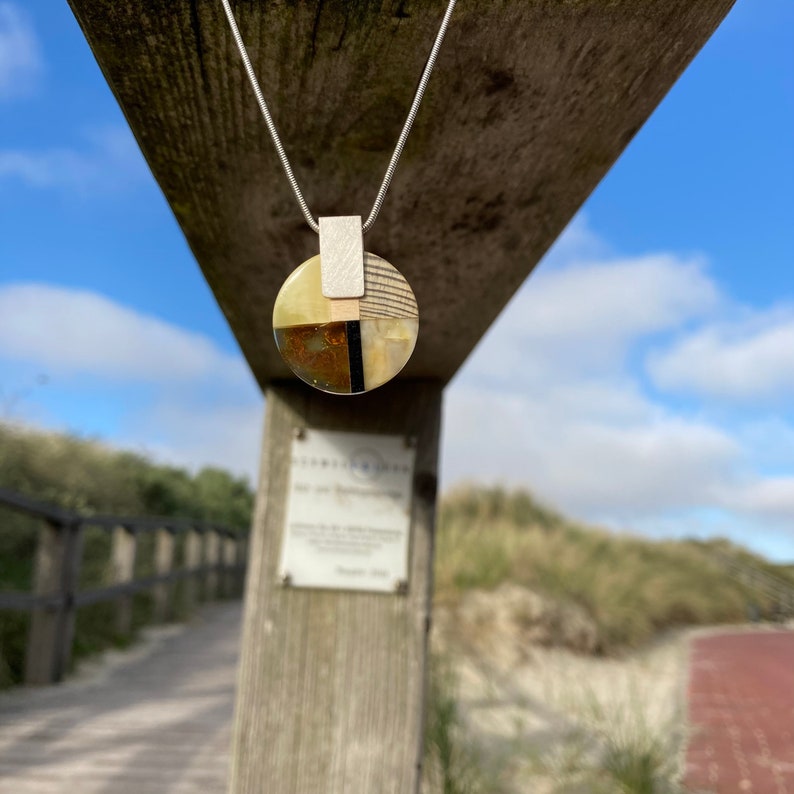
[212,558]
[123,570]
[163,564]
[51,633]
[229,561]
[242,560]
[193,559]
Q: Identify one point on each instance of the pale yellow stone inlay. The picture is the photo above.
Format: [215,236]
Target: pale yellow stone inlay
[386,346]
[300,300]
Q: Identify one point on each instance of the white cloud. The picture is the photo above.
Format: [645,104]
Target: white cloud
[109,161]
[594,463]
[226,434]
[772,497]
[618,299]
[79,332]
[582,317]
[20,55]
[747,360]
[173,393]
[554,400]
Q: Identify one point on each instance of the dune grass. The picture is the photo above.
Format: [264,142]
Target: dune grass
[619,742]
[616,760]
[632,587]
[453,763]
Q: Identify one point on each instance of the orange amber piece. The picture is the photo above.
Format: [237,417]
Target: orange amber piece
[317,354]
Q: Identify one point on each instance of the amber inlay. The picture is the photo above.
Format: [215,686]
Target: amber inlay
[346,345]
[318,354]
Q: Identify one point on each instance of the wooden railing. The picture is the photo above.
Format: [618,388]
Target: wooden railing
[214,565]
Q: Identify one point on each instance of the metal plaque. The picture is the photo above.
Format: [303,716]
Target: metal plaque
[348,512]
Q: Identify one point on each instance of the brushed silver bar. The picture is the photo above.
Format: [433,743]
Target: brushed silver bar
[342,256]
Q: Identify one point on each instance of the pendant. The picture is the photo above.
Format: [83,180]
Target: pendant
[346,345]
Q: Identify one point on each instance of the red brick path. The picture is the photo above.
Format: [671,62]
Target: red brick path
[741,714]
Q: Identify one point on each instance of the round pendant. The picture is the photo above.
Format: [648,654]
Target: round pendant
[346,346]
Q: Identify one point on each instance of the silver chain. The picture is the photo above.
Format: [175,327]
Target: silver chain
[398,149]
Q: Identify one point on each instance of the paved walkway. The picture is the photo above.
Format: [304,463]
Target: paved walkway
[741,714]
[157,721]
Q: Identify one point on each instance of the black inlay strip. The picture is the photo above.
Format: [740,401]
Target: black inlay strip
[355,357]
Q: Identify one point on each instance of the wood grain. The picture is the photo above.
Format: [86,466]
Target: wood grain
[331,683]
[344,309]
[122,569]
[387,293]
[530,104]
[212,556]
[230,575]
[155,719]
[163,563]
[191,587]
[55,571]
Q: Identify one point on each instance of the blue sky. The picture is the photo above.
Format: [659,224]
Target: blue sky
[655,343]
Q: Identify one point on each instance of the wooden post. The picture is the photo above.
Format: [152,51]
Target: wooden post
[331,683]
[163,564]
[242,558]
[223,571]
[191,588]
[51,633]
[212,558]
[229,562]
[122,569]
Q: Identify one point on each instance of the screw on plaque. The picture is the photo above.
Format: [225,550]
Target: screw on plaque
[401,587]
[299,433]
[286,579]
[409,442]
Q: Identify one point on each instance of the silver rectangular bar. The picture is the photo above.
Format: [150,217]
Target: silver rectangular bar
[342,256]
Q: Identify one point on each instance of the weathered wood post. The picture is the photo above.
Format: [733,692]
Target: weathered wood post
[163,564]
[241,557]
[331,685]
[212,559]
[122,570]
[51,633]
[191,586]
[229,563]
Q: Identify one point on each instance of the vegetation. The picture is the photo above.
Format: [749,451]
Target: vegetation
[630,586]
[453,763]
[88,477]
[617,753]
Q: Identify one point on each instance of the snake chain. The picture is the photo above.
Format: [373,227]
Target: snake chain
[398,148]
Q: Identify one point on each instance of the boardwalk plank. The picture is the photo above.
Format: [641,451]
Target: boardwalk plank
[152,721]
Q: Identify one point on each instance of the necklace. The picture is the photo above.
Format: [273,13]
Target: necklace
[345,321]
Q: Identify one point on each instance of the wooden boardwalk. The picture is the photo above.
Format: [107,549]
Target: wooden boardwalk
[156,721]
